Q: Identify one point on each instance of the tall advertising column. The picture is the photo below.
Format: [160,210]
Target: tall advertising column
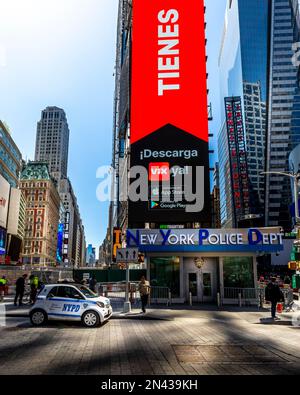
[169,115]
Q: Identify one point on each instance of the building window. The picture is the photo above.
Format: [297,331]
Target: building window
[165,272]
[238,272]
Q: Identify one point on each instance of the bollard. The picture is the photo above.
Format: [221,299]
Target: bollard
[240,299]
[191,299]
[219,299]
[261,300]
[170,298]
[2,315]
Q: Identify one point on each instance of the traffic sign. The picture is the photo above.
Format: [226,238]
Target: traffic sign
[127,255]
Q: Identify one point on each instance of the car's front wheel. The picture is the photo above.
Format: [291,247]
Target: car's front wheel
[90,319]
[38,317]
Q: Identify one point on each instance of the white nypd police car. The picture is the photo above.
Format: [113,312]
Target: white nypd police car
[72,302]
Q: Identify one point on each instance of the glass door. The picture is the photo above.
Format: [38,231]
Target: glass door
[207,287]
[193,285]
[200,286]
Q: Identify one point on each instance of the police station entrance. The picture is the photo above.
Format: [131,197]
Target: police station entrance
[204,265]
[200,276]
[200,286]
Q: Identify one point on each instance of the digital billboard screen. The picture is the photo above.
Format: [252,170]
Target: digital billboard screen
[238,157]
[169,112]
[4,201]
[2,241]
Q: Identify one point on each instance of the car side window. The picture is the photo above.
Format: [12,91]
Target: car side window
[53,292]
[69,292]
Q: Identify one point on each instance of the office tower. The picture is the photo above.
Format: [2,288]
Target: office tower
[10,157]
[216,213]
[42,214]
[284,111]
[243,63]
[4,206]
[73,240]
[11,198]
[52,141]
[52,146]
[294,163]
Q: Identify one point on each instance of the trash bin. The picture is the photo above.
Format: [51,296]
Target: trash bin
[279,308]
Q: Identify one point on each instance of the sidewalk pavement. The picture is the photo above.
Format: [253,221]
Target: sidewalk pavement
[173,312]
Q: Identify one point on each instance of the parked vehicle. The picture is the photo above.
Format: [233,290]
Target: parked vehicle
[70,302]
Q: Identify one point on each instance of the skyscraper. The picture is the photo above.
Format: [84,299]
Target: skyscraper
[243,65]
[73,244]
[52,147]
[284,111]
[10,157]
[90,255]
[52,141]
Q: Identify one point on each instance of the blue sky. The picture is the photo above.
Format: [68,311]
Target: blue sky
[62,53]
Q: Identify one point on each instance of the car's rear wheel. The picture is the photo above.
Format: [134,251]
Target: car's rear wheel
[90,319]
[38,317]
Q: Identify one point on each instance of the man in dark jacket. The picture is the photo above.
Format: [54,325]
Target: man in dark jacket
[92,284]
[273,295]
[20,288]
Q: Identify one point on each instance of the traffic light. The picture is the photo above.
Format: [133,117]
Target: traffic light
[293,265]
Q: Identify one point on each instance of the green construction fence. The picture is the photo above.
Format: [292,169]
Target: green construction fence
[108,275]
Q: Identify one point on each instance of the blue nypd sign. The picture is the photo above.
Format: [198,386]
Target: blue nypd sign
[206,240]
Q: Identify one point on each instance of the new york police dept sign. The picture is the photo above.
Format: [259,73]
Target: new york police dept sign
[268,240]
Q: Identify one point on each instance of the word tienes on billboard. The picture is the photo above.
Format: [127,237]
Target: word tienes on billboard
[169,117]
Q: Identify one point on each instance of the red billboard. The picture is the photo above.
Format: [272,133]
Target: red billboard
[168,84]
[169,113]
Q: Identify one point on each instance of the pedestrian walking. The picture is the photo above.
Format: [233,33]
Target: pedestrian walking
[287,280]
[144,289]
[34,283]
[92,284]
[274,295]
[3,283]
[20,288]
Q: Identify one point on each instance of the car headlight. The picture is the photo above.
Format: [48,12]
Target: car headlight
[100,304]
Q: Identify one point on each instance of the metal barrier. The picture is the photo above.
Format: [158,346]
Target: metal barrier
[243,296]
[257,296]
[116,292]
[160,295]
[243,293]
[288,295]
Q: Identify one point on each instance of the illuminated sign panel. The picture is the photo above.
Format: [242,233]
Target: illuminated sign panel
[238,157]
[4,201]
[168,67]
[206,240]
[2,241]
[169,112]
[60,240]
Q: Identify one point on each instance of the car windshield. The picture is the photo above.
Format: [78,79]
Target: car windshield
[87,292]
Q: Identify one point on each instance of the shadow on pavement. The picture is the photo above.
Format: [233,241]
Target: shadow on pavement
[270,321]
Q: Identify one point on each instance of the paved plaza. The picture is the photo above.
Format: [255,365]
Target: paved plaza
[195,341]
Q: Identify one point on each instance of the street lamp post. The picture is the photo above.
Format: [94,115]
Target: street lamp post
[296,179]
